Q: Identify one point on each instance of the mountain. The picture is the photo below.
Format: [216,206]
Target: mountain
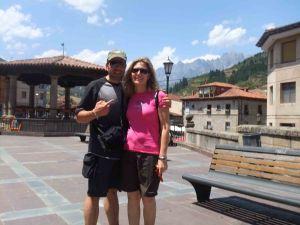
[250,73]
[2,60]
[200,66]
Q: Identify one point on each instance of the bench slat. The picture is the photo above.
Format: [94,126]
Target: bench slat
[257,167]
[261,155]
[235,158]
[242,171]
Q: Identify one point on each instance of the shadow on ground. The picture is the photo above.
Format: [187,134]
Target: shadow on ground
[251,212]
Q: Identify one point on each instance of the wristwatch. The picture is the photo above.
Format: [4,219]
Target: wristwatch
[162,157]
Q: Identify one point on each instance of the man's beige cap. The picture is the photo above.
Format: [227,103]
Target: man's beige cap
[116,54]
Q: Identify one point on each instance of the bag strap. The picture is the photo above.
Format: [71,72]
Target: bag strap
[157,105]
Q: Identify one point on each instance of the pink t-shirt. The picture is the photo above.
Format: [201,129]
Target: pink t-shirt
[143,133]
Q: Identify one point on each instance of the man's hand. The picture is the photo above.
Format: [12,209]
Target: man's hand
[102,108]
[167,101]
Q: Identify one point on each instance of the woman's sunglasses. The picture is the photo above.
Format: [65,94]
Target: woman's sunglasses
[142,71]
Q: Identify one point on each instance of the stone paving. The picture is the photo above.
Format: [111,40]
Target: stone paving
[41,184]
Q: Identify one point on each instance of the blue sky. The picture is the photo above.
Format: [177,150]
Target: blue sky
[183,30]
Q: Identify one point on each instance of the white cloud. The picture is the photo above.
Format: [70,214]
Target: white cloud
[103,19]
[95,11]
[269,26]
[252,39]
[93,57]
[224,36]
[195,42]
[206,57]
[16,47]
[15,24]
[49,53]
[110,42]
[163,55]
[86,6]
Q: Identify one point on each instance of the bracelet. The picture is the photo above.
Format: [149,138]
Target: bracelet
[96,116]
[162,157]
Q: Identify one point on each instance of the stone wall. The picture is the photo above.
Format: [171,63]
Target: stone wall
[281,137]
[206,140]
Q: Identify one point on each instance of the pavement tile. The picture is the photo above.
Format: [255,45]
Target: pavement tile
[40,220]
[18,196]
[55,168]
[7,173]
[73,189]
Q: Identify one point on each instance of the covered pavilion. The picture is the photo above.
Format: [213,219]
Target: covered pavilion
[64,71]
[55,71]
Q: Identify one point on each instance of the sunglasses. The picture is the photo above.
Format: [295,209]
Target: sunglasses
[117,63]
[142,71]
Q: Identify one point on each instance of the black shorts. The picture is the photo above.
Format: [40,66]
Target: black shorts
[139,173]
[107,176]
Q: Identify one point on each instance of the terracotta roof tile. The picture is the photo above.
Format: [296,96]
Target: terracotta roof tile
[219,84]
[236,92]
[57,60]
[174,97]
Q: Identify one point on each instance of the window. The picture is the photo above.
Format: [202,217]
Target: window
[287,124]
[208,125]
[218,108]
[270,124]
[271,95]
[259,109]
[208,109]
[227,126]
[24,94]
[288,92]
[271,58]
[227,109]
[246,110]
[288,51]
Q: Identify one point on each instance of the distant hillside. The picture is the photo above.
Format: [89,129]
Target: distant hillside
[250,73]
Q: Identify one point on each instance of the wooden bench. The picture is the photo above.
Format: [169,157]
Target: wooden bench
[268,173]
[82,136]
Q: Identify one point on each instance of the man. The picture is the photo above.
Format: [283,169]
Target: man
[101,106]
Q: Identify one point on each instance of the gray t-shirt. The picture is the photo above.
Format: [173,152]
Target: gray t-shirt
[97,90]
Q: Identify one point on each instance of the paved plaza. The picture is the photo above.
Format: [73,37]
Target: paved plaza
[41,184]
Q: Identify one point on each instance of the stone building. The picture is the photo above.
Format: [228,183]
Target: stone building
[222,107]
[282,45]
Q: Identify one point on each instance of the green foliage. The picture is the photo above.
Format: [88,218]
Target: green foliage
[250,73]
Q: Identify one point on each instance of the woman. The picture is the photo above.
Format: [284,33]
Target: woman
[145,156]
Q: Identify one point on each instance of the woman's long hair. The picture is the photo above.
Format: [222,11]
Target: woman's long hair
[128,85]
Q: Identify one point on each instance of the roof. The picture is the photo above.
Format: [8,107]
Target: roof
[238,93]
[231,93]
[278,30]
[56,60]
[219,84]
[174,97]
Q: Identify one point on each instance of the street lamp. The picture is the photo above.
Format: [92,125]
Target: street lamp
[168,68]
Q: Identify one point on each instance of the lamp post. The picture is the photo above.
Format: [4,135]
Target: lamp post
[168,68]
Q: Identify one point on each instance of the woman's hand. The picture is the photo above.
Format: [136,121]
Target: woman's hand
[161,166]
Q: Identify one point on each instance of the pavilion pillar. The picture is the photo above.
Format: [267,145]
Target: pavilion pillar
[67,102]
[12,94]
[53,96]
[31,100]
[6,96]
